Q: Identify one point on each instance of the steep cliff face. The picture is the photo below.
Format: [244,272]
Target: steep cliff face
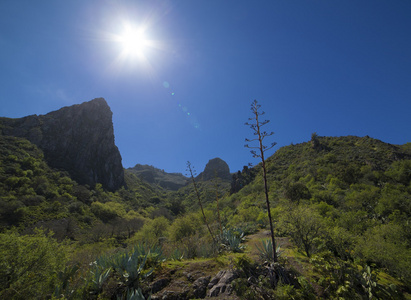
[78,139]
[215,167]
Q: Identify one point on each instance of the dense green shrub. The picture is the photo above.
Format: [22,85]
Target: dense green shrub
[387,246]
[184,227]
[153,231]
[29,265]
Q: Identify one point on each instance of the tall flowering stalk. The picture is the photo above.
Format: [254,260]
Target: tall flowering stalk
[261,149]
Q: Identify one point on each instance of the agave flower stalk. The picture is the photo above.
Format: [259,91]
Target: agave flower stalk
[190,170]
[259,137]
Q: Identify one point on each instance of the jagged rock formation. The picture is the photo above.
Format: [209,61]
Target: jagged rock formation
[152,175]
[221,284]
[78,139]
[215,167]
[241,179]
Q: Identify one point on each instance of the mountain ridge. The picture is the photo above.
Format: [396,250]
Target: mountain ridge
[156,176]
[215,167]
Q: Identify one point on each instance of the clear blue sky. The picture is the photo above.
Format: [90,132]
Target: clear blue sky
[331,67]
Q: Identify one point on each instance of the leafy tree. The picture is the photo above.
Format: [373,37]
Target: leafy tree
[259,137]
[315,143]
[297,191]
[304,225]
[105,211]
[184,227]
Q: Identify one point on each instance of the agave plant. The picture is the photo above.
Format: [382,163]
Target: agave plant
[266,250]
[99,277]
[177,254]
[231,239]
[154,254]
[130,267]
[63,289]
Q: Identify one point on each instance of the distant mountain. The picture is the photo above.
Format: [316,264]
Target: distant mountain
[215,167]
[152,175]
[78,139]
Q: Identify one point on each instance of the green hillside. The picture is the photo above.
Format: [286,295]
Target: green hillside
[341,208]
[154,176]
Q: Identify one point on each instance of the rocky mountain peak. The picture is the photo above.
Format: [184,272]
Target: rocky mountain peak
[78,139]
[215,167]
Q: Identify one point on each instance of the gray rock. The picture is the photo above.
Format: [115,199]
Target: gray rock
[159,285]
[176,290]
[221,283]
[200,286]
[189,276]
[215,279]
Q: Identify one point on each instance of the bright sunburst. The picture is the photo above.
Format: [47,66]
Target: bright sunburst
[134,41]
[135,46]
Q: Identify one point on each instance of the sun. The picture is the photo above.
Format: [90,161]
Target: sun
[135,45]
[133,41]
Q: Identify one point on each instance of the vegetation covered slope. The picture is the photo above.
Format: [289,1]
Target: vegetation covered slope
[346,199]
[344,203]
[34,195]
[154,176]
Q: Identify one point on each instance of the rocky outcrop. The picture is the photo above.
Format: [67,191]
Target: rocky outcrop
[241,179]
[200,286]
[221,284]
[195,286]
[78,139]
[215,167]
